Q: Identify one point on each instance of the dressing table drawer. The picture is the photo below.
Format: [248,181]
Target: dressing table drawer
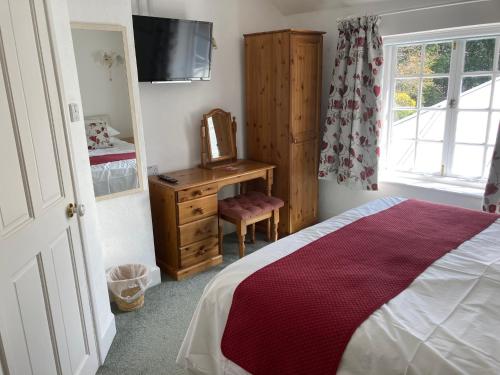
[198,230]
[196,192]
[199,251]
[197,209]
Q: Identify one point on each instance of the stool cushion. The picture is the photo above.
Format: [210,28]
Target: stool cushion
[247,206]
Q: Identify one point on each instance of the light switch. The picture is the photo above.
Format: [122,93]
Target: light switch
[74,112]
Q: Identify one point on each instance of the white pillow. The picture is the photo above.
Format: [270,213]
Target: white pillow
[103,118]
[112,131]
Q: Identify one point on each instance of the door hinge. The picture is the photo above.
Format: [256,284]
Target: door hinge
[453,103]
[454,45]
[443,170]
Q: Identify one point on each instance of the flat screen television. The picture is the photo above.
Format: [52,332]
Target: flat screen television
[171,49]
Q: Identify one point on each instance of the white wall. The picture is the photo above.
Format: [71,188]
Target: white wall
[334,198]
[125,228]
[100,95]
[172,112]
[103,318]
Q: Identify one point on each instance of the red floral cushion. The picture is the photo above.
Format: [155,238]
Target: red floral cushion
[97,135]
[249,205]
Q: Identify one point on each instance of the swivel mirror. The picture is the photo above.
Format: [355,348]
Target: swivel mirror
[218,139]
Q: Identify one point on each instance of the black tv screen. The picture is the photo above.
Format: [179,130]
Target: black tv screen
[172,50]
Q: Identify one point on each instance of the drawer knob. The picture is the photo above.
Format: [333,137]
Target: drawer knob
[202,251]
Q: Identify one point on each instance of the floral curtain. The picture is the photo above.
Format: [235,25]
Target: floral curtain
[350,145]
[491,202]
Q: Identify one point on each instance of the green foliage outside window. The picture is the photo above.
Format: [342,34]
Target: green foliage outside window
[479,56]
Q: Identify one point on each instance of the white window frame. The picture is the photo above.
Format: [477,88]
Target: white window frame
[460,35]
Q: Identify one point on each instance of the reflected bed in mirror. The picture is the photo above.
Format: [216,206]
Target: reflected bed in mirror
[102,61]
[218,139]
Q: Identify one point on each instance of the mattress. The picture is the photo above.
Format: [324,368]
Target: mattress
[447,321]
[115,176]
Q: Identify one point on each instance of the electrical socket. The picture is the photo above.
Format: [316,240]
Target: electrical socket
[153,170]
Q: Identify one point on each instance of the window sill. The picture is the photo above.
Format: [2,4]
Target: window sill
[473,190]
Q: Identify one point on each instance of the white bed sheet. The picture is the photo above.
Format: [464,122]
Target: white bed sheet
[115,176]
[446,322]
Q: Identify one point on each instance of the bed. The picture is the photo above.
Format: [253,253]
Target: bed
[114,169]
[446,322]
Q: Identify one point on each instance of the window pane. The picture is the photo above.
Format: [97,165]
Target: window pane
[402,155]
[404,124]
[494,126]
[429,157]
[437,58]
[406,93]
[468,161]
[487,165]
[471,127]
[479,55]
[476,92]
[434,92]
[409,58]
[431,125]
[496,96]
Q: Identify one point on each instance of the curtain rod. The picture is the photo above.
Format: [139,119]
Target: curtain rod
[409,10]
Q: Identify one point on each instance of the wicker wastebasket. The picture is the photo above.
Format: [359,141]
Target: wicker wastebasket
[127,284]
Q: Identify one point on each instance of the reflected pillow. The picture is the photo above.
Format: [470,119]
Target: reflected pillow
[112,131]
[97,135]
[103,118]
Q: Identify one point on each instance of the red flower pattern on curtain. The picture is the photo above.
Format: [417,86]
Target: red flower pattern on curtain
[491,201]
[350,145]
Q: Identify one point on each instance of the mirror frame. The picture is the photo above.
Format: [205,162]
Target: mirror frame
[206,149]
[133,109]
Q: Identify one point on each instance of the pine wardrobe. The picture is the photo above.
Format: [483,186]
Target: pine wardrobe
[283,98]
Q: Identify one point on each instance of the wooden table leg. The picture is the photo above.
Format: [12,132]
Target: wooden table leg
[253,233]
[221,235]
[269,182]
[243,187]
[275,220]
[241,231]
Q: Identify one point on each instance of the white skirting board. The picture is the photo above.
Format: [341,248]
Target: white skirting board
[106,339]
[155,276]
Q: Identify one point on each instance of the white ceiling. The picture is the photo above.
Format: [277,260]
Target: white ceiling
[288,7]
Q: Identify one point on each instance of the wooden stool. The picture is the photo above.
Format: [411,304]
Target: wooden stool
[248,209]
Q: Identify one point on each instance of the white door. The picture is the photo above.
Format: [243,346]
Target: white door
[45,317]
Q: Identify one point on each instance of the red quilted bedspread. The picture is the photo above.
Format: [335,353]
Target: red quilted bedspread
[297,315]
[103,159]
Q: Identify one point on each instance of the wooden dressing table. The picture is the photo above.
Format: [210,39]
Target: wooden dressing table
[185,214]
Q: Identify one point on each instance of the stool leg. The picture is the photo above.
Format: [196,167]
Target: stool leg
[221,235]
[253,233]
[268,229]
[241,231]
[276,220]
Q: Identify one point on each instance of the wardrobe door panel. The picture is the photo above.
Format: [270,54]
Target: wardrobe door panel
[306,55]
[259,96]
[280,149]
[267,58]
[304,184]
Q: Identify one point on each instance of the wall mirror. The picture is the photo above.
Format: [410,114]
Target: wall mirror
[103,65]
[218,139]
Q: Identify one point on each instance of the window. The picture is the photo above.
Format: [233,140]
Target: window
[443,107]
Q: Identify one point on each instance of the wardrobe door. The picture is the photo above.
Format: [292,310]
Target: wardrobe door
[267,76]
[304,184]
[306,57]
[259,96]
